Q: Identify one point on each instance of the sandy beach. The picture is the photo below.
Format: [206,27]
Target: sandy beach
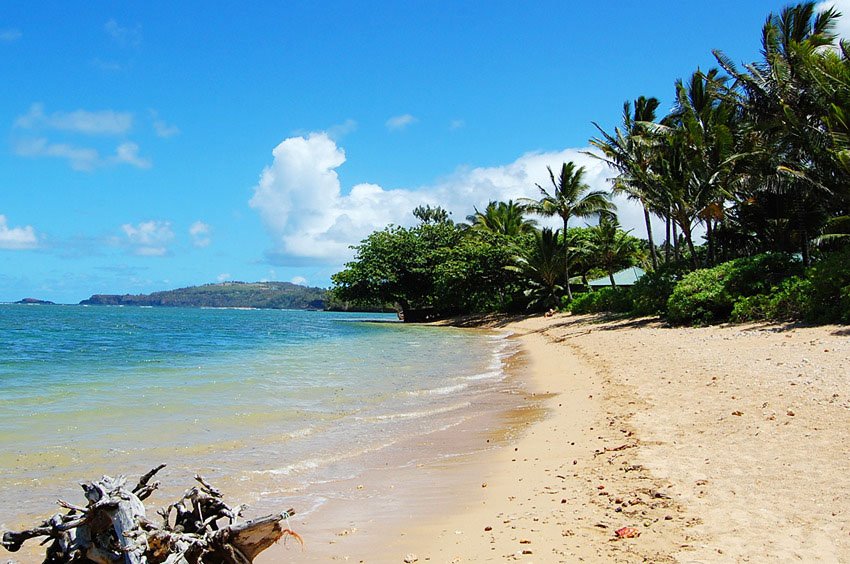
[718,444]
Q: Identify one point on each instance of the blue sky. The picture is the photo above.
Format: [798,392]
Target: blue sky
[157,145]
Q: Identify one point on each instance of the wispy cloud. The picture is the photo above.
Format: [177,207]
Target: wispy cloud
[123,36]
[81,158]
[200,233]
[340,130]
[162,128]
[457,124]
[128,153]
[9,35]
[223,277]
[398,123]
[103,122]
[149,238]
[300,280]
[17,238]
[109,66]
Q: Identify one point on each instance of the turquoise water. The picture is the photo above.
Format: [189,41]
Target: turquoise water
[266,402]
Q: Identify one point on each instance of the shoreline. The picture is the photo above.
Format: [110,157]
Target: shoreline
[703,440]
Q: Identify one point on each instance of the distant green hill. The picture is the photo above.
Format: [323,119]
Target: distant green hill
[268,295]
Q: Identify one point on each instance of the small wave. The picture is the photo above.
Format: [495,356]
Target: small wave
[442,391]
[315,463]
[490,375]
[418,414]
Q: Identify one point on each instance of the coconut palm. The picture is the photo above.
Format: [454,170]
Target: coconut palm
[611,248]
[629,151]
[541,266]
[505,218]
[570,197]
[785,113]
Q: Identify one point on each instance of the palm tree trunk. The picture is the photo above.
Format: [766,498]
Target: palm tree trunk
[567,261]
[611,278]
[686,231]
[709,235]
[667,223]
[677,254]
[649,238]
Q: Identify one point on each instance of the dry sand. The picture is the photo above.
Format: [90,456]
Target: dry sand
[720,444]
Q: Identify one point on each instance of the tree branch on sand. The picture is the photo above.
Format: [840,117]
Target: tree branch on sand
[199,528]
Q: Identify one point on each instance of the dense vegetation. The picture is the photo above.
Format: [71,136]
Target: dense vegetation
[272,295]
[752,160]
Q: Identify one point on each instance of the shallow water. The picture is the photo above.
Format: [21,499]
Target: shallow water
[276,405]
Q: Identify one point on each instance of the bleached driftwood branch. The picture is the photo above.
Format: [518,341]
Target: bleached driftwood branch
[199,528]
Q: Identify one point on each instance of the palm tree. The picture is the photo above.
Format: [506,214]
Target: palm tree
[611,248]
[791,122]
[629,151]
[540,265]
[504,218]
[570,197]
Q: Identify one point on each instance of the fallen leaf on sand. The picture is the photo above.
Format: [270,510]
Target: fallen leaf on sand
[738,413]
[627,533]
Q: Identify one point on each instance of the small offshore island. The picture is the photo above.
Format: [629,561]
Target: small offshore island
[257,295]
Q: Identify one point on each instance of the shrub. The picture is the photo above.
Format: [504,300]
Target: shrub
[829,298]
[709,295]
[614,300]
[652,290]
[701,297]
[758,274]
[822,295]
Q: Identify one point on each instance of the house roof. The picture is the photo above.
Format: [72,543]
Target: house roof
[625,277]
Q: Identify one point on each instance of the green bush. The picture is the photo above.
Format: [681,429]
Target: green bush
[822,295]
[652,290]
[829,300]
[701,297]
[613,300]
[758,274]
[709,295]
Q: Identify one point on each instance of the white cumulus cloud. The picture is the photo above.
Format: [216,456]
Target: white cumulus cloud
[301,201]
[17,238]
[149,238]
[400,122]
[200,233]
[300,280]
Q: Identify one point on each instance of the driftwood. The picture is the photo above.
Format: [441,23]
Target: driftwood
[199,528]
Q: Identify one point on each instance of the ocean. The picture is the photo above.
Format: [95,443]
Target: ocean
[275,406]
